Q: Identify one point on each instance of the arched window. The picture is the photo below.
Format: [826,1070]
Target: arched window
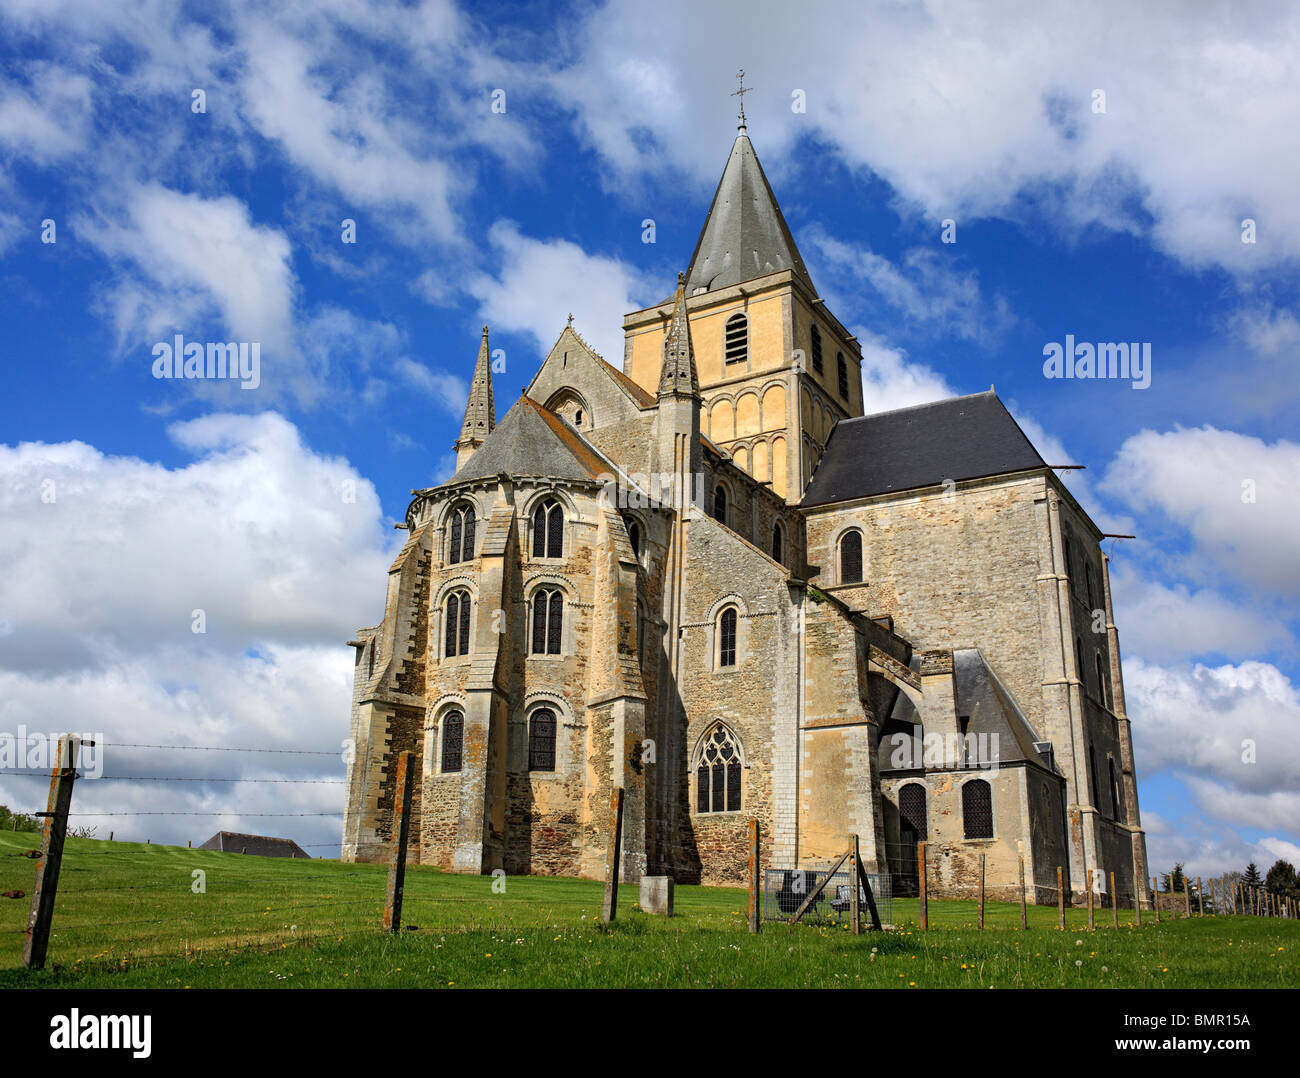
[1087,582]
[541,740]
[912,815]
[548,530]
[817,349]
[842,372]
[1116,808]
[1095,793]
[456,624]
[461,546]
[1101,682]
[727,637]
[720,505]
[717,776]
[977,809]
[736,339]
[548,622]
[778,544]
[634,536]
[453,741]
[851,558]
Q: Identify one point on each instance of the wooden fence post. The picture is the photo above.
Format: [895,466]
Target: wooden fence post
[855,887]
[1187,896]
[610,908]
[1060,898]
[1114,903]
[981,917]
[401,836]
[755,895]
[62,775]
[1200,898]
[925,906]
[1024,915]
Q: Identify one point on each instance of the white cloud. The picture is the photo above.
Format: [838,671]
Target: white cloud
[1163,622]
[965,111]
[891,380]
[539,281]
[45,119]
[925,287]
[282,549]
[1234,726]
[1202,479]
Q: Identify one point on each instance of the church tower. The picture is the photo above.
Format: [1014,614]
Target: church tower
[480,409]
[776,369]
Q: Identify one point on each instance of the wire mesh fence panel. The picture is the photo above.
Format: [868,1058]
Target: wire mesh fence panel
[785,891]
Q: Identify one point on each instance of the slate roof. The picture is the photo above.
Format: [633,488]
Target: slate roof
[530,440]
[745,234]
[256,845]
[982,697]
[959,438]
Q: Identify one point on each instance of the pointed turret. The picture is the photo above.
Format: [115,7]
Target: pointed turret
[745,234]
[676,447]
[678,374]
[480,410]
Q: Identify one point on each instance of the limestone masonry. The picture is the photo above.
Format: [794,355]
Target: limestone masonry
[710,579]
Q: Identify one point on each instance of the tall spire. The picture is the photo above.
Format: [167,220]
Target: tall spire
[480,409]
[678,374]
[745,234]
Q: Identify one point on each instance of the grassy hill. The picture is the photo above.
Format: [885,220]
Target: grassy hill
[128,916]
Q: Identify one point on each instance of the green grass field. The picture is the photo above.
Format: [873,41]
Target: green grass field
[128,917]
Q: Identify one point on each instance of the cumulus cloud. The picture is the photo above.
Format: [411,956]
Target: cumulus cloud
[271,548]
[967,113]
[1234,725]
[1232,493]
[540,280]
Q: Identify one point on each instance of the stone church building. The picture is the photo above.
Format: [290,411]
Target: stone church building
[707,577]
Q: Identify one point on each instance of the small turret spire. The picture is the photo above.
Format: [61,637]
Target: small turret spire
[480,409]
[678,375]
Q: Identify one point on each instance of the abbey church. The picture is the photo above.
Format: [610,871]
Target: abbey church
[706,576]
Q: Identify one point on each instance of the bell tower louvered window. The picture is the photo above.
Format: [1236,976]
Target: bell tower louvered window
[817,363]
[736,339]
[842,374]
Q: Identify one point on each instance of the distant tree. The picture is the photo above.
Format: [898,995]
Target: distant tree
[17,821]
[1251,876]
[1175,881]
[1281,880]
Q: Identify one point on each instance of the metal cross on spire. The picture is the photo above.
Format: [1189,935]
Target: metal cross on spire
[740,75]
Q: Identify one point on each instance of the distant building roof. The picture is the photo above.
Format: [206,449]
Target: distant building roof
[959,438]
[254,845]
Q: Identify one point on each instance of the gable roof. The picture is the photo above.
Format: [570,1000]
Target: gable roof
[254,845]
[745,234]
[959,438]
[570,338]
[531,440]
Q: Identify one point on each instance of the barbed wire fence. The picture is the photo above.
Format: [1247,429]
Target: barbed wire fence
[245,899]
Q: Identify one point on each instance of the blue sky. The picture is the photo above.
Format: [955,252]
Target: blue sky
[270,509]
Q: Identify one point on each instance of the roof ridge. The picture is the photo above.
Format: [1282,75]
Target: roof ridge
[925,404]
